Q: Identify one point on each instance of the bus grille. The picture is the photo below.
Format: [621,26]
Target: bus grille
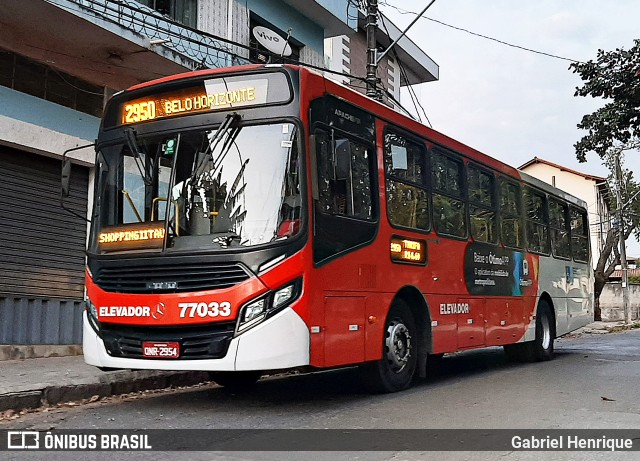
[170,278]
[210,341]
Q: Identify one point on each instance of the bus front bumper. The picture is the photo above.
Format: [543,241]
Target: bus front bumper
[280,342]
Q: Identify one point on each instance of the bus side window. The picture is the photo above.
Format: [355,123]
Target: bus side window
[407,194]
[579,235]
[510,214]
[449,214]
[344,182]
[482,205]
[559,227]
[537,226]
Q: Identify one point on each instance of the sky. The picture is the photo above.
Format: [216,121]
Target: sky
[506,102]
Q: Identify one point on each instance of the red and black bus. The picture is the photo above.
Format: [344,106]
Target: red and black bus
[267,218]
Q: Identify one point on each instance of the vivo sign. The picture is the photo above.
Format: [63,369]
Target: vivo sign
[271,41]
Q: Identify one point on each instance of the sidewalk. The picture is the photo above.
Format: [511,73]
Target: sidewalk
[32,383]
[600,327]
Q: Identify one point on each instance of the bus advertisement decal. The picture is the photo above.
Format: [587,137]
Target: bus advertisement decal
[496,271]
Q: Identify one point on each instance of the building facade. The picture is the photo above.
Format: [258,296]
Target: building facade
[592,189]
[59,61]
[406,64]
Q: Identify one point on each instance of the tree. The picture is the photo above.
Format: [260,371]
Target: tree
[613,76]
[609,253]
[612,130]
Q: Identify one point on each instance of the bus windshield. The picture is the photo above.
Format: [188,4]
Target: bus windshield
[232,186]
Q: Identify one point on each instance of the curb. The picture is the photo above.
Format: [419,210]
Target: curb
[623,327]
[117,383]
[19,352]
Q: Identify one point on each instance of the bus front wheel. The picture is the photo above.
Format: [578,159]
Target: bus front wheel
[394,372]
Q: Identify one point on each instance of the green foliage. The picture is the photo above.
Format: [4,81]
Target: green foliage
[634,279]
[613,76]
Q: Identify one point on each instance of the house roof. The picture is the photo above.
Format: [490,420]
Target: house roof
[617,274]
[535,160]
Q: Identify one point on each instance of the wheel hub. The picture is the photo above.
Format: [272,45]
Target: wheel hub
[398,346]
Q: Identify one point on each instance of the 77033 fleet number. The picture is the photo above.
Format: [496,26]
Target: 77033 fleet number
[213,309]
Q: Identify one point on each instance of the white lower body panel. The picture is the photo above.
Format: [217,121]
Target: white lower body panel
[278,343]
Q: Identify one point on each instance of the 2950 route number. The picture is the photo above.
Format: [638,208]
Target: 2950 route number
[191,310]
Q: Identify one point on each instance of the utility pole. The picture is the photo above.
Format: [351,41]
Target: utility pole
[623,249]
[372,51]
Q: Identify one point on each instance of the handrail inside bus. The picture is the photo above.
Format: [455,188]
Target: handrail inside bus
[177,211]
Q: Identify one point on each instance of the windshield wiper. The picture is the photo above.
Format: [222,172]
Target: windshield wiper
[132,142]
[230,122]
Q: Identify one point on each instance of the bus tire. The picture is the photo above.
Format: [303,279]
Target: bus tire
[541,349]
[236,380]
[394,371]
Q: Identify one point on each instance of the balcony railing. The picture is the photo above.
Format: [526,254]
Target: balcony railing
[198,49]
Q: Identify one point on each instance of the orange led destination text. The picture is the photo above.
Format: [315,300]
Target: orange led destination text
[407,250]
[150,109]
[131,235]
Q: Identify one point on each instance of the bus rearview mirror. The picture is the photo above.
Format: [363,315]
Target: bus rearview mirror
[66,177]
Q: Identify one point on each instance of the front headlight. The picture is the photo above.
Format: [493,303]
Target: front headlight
[91,309]
[283,295]
[259,309]
[92,314]
[253,313]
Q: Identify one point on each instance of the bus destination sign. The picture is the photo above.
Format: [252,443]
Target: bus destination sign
[131,236]
[408,251]
[215,94]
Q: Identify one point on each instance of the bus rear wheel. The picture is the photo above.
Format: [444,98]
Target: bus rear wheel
[541,348]
[236,380]
[394,372]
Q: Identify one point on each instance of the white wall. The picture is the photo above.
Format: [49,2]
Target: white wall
[611,301]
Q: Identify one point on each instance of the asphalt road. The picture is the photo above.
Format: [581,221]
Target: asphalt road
[477,389]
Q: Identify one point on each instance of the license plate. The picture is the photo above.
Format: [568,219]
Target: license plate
[157,350]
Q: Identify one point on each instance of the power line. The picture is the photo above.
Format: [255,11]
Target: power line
[205,42]
[397,103]
[412,92]
[118,14]
[61,75]
[502,42]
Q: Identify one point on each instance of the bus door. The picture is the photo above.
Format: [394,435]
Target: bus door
[471,321]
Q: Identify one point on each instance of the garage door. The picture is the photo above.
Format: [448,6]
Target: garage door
[41,250]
